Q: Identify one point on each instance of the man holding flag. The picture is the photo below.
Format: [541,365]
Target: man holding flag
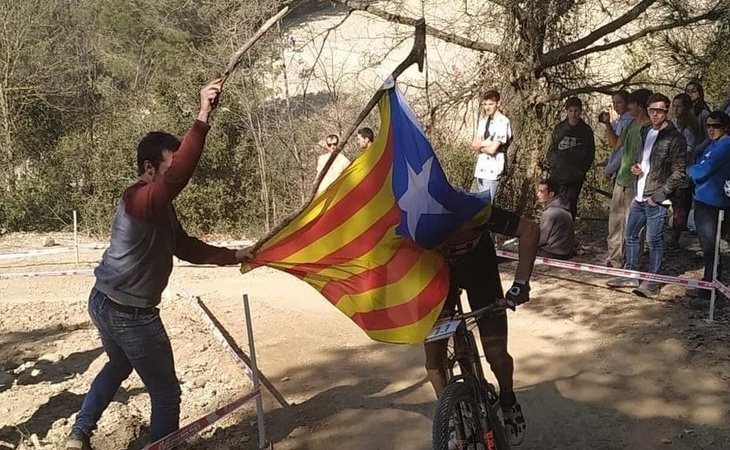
[373,243]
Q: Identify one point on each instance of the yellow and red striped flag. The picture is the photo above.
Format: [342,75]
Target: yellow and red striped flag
[356,243]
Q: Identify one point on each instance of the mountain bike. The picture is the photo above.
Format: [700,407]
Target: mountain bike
[468,412]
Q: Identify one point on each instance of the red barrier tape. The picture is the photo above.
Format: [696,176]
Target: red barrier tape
[192,429]
[724,290]
[592,268]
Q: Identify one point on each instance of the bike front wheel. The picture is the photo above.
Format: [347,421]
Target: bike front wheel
[457,421]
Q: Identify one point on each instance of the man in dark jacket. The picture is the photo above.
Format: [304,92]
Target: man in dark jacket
[557,235]
[571,153]
[660,169]
[135,270]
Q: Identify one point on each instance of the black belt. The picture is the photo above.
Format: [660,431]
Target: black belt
[131,309]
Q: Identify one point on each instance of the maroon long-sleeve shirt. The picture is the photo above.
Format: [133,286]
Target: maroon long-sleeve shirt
[146,232]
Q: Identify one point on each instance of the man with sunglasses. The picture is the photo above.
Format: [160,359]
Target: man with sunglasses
[338,165]
[659,169]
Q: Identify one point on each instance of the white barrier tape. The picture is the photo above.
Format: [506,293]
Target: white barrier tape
[724,290]
[220,338]
[60,273]
[32,253]
[92,246]
[592,268]
[192,429]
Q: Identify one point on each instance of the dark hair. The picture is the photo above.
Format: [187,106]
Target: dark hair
[573,101]
[366,133]
[723,118]
[699,105]
[684,98]
[657,97]
[491,95]
[333,136]
[688,120]
[551,185]
[624,94]
[696,83]
[151,146]
[640,97]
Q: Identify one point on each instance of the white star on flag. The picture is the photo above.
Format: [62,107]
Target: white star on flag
[417,200]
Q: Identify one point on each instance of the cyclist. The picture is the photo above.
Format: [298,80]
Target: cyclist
[473,266]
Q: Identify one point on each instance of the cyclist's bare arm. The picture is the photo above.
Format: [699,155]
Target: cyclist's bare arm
[527,233]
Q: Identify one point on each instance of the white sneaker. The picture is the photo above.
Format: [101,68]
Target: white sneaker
[514,424]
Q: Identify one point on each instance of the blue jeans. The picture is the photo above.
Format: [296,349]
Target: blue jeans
[641,215]
[136,342]
[706,226]
[490,186]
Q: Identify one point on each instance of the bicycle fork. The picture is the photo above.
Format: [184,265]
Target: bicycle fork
[471,368]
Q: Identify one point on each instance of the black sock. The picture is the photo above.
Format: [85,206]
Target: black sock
[507,398]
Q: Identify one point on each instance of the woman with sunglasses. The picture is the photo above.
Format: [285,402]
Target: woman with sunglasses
[711,176]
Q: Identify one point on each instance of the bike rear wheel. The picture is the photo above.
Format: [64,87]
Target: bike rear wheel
[457,421]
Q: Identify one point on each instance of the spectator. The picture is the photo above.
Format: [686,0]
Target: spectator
[689,126]
[134,271]
[571,153]
[711,176]
[491,140]
[338,165]
[660,171]
[557,236]
[365,137]
[699,107]
[624,189]
[613,130]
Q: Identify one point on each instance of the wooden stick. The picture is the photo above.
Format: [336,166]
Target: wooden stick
[414,57]
[238,56]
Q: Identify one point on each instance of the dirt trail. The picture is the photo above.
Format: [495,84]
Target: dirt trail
[595,368]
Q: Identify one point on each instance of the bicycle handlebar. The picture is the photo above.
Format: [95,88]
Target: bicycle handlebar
[496,306]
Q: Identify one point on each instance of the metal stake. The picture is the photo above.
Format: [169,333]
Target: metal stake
[76,237]
[713,293]
[255,369]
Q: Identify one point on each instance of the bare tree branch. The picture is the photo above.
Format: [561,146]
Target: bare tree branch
[710,15]
[438,34]
[559,55]
[609,88]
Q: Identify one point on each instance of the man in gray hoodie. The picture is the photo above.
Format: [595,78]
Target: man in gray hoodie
[557,235]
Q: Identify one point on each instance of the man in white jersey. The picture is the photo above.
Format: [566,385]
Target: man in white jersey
[491,139]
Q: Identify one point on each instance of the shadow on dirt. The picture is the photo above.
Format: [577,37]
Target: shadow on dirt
[57,372]
[58,407]
[648,374]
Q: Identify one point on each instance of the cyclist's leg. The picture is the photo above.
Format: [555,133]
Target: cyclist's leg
[484,290]
[436,351]
[484,287]
[493,333]
[435,359]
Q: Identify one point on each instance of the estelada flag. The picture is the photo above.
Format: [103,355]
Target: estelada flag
[364,242]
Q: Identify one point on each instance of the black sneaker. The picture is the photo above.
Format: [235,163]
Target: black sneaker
[514,423]
[623,282]
[77,440]
[648,289]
